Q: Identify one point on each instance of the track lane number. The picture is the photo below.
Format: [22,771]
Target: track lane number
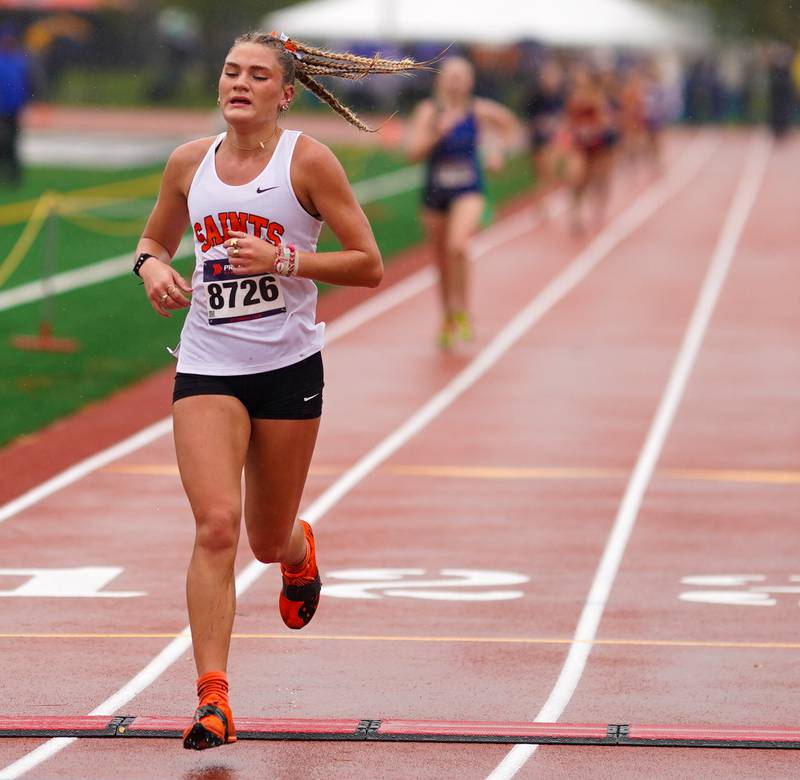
[446,585]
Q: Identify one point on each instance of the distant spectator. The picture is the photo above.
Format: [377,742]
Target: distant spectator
[543,108]
[796,71]
[56,41]
[668,69]
[179,38]
[15,91]
[702,98]
[731,65]
[757,85]
[781,90]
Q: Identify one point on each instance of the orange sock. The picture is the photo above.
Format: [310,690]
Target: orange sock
[216,726]
[213,685]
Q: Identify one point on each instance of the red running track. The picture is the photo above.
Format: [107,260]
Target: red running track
[503,501]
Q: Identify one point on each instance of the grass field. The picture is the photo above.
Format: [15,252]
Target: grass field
[121,339]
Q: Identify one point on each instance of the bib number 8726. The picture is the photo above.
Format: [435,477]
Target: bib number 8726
[254,293]
[249,298]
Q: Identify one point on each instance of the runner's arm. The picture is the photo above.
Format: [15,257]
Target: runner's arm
[423,133]
[498,119]
[163,232]
[170,216]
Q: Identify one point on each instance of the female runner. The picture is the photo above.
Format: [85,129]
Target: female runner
[248,389]
[633,117]
[591,125]
[444,132]
[544,110]
[656,114]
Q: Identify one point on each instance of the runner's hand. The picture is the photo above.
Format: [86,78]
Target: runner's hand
[165,287]
[494,160]
[248,255]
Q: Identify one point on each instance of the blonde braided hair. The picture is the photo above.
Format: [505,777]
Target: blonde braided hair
[302,62]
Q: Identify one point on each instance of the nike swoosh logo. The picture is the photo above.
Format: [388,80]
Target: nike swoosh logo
[310,397]
[259,190]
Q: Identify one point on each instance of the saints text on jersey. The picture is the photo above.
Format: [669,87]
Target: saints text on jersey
[215,229]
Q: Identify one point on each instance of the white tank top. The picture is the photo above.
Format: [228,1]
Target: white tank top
[245,325]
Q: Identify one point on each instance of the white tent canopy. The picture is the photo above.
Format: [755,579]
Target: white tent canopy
[555,22]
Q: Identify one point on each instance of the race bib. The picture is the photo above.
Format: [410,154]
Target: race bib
[454,175]
[234,298]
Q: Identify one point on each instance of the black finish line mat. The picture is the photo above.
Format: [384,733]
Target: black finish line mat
[393,730]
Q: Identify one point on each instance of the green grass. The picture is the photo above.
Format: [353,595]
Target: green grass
[121,339]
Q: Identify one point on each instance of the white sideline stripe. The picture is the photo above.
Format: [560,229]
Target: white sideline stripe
[368,191]
[627,223]
[596,600]
[388,184]
[102,271]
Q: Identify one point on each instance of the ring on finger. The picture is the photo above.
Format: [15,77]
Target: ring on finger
[236,251]
[234,242]
[165,296]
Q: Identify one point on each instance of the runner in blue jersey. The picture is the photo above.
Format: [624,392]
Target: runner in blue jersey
[543,107]
[445,132]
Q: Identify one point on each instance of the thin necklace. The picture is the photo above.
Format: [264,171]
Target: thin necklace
[261,144]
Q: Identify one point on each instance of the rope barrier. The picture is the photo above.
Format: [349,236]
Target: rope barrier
[104,227]
[41,211]
[73,209]
[15,213]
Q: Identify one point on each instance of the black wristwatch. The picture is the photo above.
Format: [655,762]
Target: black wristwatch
[140,262]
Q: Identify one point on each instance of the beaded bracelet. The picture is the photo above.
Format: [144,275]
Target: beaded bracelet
[286,262]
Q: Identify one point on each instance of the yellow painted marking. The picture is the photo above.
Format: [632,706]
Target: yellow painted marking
[736,475]
[742,645]
[477,472]
[154,469]
[765,477]
[86,635]
[167,470]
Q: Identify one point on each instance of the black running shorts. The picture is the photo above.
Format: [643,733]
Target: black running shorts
[290,393]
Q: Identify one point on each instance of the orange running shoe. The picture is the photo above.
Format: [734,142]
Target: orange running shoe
[212,726]
[300,593]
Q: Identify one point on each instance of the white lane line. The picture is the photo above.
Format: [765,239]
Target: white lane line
[367,191]
[377,305]
[627,514]
[619,230]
